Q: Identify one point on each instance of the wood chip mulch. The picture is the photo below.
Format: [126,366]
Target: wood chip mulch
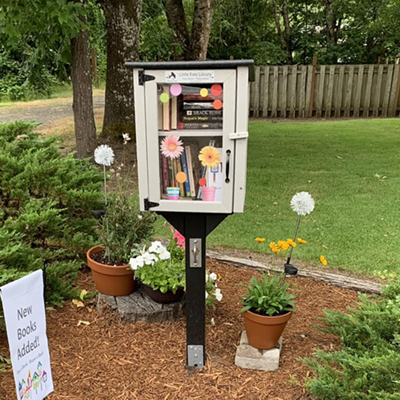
[110,360]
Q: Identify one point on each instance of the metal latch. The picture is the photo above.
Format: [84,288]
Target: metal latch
[195,356]
[144,78]
[195,253]
[238,135]
[149,204]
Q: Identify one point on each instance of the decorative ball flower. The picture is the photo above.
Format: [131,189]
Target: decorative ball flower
[302,203]
[209,157]
[104,155]
[171,146]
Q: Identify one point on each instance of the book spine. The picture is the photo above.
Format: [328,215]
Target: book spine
[216,113]
[179,169]
[166,112]
[190,170]
[199,125]
[174,113]
[201,118]
[198,97]
[165,174]
[186,171]
[198,106]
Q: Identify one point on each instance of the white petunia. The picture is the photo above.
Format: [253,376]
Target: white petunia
[218,294]
[213,276]
[136,262]
[156,247]
[302,203]
[126,138]
[206,294]
[149,259]
[165,255]
[212,321]
[104,155]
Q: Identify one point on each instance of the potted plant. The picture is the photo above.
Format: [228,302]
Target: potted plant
[121,229]
[161,270]
[268,306]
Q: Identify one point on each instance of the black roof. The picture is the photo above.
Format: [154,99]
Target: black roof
[190,64]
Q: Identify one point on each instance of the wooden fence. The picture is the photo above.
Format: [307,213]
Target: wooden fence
[325,91]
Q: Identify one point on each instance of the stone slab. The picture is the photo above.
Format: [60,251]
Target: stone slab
[251,358]
[139,307]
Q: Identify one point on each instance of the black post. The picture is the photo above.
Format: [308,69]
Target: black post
[195,240]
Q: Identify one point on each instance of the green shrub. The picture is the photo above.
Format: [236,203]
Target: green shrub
[368,365]
[45,201]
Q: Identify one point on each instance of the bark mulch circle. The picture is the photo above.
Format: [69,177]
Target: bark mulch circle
[111,360]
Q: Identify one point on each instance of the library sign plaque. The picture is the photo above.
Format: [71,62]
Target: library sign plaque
[190,76]
[191,130]
[24,313]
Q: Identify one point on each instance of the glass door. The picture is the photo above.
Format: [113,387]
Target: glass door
[189,116]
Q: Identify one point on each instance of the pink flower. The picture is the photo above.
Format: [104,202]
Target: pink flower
[180,239]
[171,147]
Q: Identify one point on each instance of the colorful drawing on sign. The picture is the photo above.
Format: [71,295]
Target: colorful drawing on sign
[36,383]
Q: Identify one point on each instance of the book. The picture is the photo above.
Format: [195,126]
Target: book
[166,112]
[165,174]
[198,97]
[201,118]
[199,125]
[174,112]
[160,115]
[203,112]
[205,105]
[179,169]
[190,171]
[186,171]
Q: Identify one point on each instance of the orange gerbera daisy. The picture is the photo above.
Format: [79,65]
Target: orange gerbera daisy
[260,240]
[323,260]
[209,157]
[301,241]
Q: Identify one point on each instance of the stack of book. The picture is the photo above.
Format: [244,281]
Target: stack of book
[189,110]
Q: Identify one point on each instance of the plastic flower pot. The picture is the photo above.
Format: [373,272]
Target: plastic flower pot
[113,280]
[208,193]
[163,298]
[173,193]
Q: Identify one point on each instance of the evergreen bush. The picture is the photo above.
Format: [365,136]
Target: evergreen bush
[45,209]
[368,365]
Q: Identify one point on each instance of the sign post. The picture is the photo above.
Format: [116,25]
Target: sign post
[24,313]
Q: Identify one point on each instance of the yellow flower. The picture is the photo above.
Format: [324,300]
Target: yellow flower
[209,157]
[301,241]
[260,240]
[323,260]
[291,243]
[274,247]
[283,245]
[219,277]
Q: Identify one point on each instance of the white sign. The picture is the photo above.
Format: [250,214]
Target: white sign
[201,76]
[24,312]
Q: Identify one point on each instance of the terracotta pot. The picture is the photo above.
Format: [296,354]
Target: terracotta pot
[163,298]
[263,332]
[109,279]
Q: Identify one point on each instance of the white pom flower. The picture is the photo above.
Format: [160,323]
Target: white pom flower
[302,203]
[104,155]
[218,294]
[213,276]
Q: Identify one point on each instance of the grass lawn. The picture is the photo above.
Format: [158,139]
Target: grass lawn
[352,170]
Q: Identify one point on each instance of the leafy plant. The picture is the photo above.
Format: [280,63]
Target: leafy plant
[268,296]
[213,292]
[162,268]
[367,367]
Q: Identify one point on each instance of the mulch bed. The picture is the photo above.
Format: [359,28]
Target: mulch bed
[112,360]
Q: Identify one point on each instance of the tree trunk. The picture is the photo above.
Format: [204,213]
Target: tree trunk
[195,47]
[201,28]
[123,29]
[85,128]
[177,22]
[285,37]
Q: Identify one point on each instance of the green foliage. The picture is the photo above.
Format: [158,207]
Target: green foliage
[45,202]
[124,227]
[368,365]
[159,273]
[268,295]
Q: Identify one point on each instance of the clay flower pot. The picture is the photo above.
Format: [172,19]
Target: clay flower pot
[263,332]
[160,297]
[109,279]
